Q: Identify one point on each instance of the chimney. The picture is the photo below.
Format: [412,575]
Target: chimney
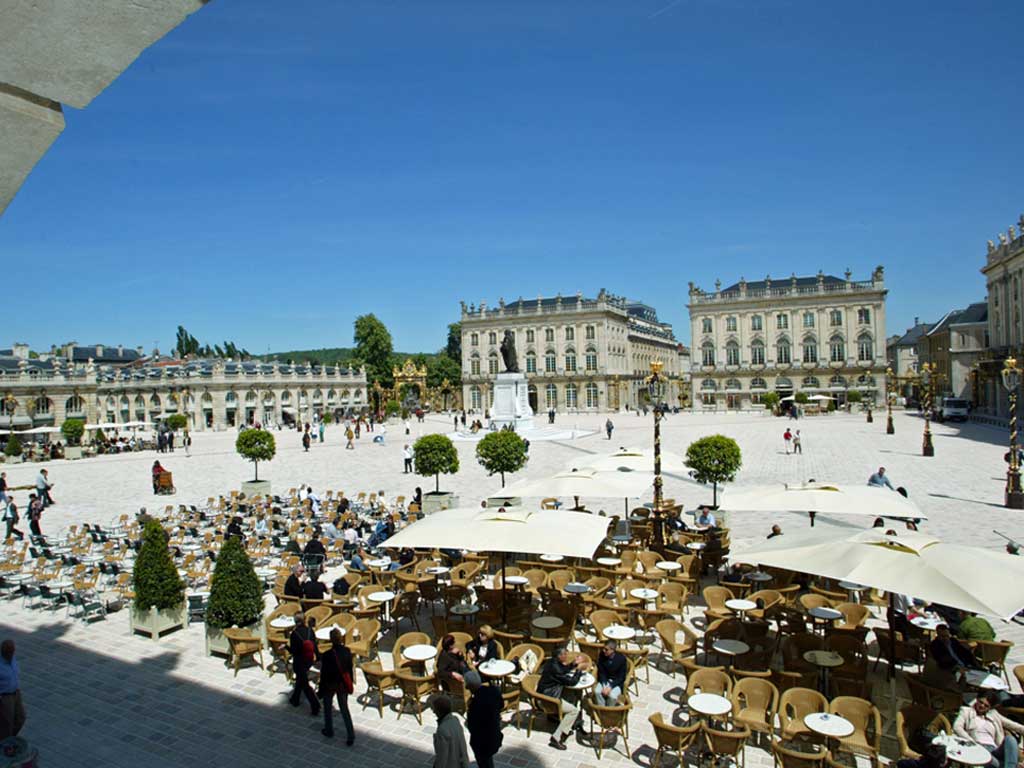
[120,350]
[917,320]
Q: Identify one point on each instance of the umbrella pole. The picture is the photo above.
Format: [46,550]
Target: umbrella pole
[504,608]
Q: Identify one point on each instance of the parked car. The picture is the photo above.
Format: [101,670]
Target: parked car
[955,409]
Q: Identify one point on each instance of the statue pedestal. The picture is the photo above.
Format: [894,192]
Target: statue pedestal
[512,402]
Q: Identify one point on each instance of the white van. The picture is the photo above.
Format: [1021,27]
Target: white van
[954,409]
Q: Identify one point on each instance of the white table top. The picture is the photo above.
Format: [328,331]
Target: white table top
[283,622]
[552,558]
[419,652]
[669,565]
[382,597]
[324,633]
[979,678]
[757,576]
[516,580]
[740,605]
[643,594]
[619,632]
[496,668]
[578,588]
[438,570]
[465,609]
[696,546]
[547,622]
[828,725]
[963,752]
[609,560]
[923,622]
[266,573]
[19,577]
[824,658]
[828,614]
[381,563]
[729,647]
[850,586]
[586,680]
[709,704]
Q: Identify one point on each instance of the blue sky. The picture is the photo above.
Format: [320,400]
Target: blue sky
[265,174]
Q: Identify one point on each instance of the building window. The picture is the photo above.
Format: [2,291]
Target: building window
[570,360]
[782,322]
[758,383]
[591,333]
[708,385]
[474,398]
[549,362]
[783,352]
[474,365]
[864,316]
[570,396]
[837,382]
[707,354]
[808,319]
[492,363]
[591,390]
[733,384]
[835,318]
[810,351]
[550,396]
[730,324]
[865,348]
[531,362]
[810,382]
[529,336]
[705,325]
[756,323]
[570,334]
[549,334]
[591,360]
[836,350]
[492,338]
[474,339]
[732,353]
[757,353]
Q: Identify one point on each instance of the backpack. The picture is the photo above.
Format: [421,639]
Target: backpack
[340,587]
[308,651]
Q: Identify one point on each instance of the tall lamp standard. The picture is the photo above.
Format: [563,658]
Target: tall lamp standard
[890,394]
[656,389]
[927,374]
[1011,380]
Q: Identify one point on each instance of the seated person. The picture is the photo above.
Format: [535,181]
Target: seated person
[313,589]
[235,528]
[157,471]
[557,679]
[451,664]
[358,561]
[981,723]
[675,522]
[260,528]
[483,647]
[330,530]
[776,531]
[314,546]
[405,556]
[948,658]
[705,517]
[933,756]
[611,675]
[974,627]
[293,586]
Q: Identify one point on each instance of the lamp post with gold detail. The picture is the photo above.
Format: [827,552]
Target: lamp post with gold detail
[656,390]
[927,376]
[1014,497]
[890,394]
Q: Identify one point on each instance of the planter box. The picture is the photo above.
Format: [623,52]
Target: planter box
[217,644]
[73,452]
[155,623]
[256,488]
[438,500]
[14,460]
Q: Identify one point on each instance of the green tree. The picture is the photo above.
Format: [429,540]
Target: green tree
[801,398]
[374,348]
[392,408]
[853,396]
[236,595]
[770,400]
[435,455]
[13,447]
[155,578]
[256,445]
[714,459]
[73,429]
[177,421]
[501,452]
[453,349]
[441,367]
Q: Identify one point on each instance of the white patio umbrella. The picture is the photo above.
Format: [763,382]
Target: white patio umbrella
[586,482]
[631,459]
[819,397]
[823,499]
[40,431]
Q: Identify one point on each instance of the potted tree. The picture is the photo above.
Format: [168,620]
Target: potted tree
[770,400]
[236,597]
[159,605]
[177,421]
[13,450]
[501,452]
[256,445]
[436,455]
[714,459]
[73,429]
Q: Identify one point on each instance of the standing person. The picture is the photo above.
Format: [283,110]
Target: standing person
[463,419]
[449,740]
[11,519]
[321,431]
[43,486]
[35,514]
[12,711]
[407,458]
[359,427]
[187,442]
[408,426]
[305,441]
[3,487]
[797,444]
[302,646]
[170,441]
[456,424]
[787,437]
[551,415]
[609,428]
[483,720]
[336,681]
[349,434]
[557,680]
[611,675]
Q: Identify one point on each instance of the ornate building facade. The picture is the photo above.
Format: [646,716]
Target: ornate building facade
[212,394]
[578,354]
[819,335]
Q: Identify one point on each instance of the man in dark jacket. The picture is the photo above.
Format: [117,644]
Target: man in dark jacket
[313,589]
[611,675]
[293,586]
[483,719]
[557,681]
[298,646]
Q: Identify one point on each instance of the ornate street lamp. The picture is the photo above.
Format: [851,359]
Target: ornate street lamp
[656,390]
[11,404]
[1014,497]
[927,374]
[890,395]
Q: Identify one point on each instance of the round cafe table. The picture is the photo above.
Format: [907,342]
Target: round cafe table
[740,606]
[823,615]
[552,558]
[647,595]
[709,704]
[496,668]
[611,562]
[283,622]
[979,678]
[824,660]
[730,648]
[832,726]
[586,681]
[619,632]
[420,652]
[696,546]
[544,624]
[853,590]
[383,562]
[926,623]
[517,581]
[668,565]
[324,633]
[577,588]
[438,570]
[963,752]
[758,577]
[466,610]
[381,597]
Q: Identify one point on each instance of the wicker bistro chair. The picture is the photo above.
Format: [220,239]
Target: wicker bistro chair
[911,719]
[709,680]
[414,689]
[539,702]
[377,682]
[362,637]
[754,704]
[678,641]
[609,718]
[866,738]
[993,652]
[672,737]
[791,758]
[794,705]
[726,743]
[244,643]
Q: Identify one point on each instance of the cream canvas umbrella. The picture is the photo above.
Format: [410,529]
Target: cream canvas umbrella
[631,459]
[616,484]
[823,499]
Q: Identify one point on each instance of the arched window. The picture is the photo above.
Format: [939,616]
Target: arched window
[492,338]
[286,396]
[865,348]
[732,353]
[140,401]
[357,395]
[590,361]
[207,399]
[757,352]
[154,401]
[591,390]
[474,340]
[570,396]
[550,361]
[783,383]
[268,398]
[550,396]
[41,405]
[837,382]
[733,384]
[810,349]
[708,385]
[474,397]
[810,382]
[758,383]
[707,353]
[318,396]
[332,396]
[474,364]
[836,349]
[783,351]
[730,324]
[8,409]
[492,363]
[570,363]
[531,362]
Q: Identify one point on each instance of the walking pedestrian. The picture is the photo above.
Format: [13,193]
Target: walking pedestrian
[407,458]
[43,486]
[456,424]
[483,719]
[787,437]
[3,487]
[12,711]
[797,445]
[11,518]
[321,431]
[336,681]
[35,514]
[349,435]
[187,442]
[609,428]
[305,441]
[408,426]
[302,646]
[449,740]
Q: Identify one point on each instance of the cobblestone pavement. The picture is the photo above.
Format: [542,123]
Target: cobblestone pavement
[97,696]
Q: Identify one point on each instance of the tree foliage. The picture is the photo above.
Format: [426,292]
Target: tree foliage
[435,455]
[73,429]
[453,348]
[236,595]
[441,367]
[177,421]
[770,400]
[374,348]
[13,447]
[155,578]
[801,398]
[501,452]
[714,459]
[256,445]
[187,345]
[853,396]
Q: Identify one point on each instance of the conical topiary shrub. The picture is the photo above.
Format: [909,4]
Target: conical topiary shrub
[236,595]
[155,578]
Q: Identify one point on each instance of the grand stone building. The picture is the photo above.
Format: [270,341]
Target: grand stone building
[819,335]
[578,354]
[212,394]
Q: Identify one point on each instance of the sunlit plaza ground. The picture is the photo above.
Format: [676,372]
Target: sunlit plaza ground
[95,695]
